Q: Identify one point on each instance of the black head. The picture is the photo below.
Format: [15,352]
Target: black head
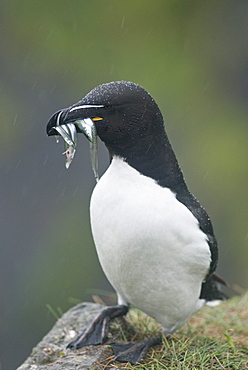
[129,122]
[125,115]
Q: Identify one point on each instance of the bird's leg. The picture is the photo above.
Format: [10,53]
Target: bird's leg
[97,331]
[134,352]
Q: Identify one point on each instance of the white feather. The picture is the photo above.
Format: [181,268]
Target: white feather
[86,106]
[149,244]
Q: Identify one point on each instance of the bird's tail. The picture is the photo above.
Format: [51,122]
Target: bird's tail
[212,289]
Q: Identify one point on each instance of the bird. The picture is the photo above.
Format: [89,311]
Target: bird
[154,240]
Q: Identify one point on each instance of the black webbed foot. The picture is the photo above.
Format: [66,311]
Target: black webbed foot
[134,352]
[97,331]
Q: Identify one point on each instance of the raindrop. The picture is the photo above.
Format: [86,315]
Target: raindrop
[18,164]
[122,22]
[204,178]
[149,32]
[75,192]
[15,119]
[53,88]
[34,85]
[48,37]
[65,73]
[45,161]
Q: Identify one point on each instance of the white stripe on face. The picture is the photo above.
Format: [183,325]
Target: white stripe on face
[86,106]
[58,118]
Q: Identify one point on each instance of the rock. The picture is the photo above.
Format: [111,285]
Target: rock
[51,353]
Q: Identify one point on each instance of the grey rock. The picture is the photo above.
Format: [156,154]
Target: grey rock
[51,353]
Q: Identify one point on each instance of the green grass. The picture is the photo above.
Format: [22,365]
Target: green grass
[214,338]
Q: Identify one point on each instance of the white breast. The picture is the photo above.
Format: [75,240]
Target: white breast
[149,244]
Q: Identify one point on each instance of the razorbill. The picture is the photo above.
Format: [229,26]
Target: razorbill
[154,240]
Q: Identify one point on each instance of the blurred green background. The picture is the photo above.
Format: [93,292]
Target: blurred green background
[192,56]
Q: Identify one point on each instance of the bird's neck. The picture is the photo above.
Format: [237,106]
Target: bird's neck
[157,161]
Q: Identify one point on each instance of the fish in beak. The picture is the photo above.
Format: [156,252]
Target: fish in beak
[63,124]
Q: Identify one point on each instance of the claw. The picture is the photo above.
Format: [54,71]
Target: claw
[97,331]
[134,352]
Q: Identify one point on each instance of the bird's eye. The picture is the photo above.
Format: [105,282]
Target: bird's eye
[108,107]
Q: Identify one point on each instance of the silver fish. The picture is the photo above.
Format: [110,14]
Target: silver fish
[69,152]
[68,132]
[88,128]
